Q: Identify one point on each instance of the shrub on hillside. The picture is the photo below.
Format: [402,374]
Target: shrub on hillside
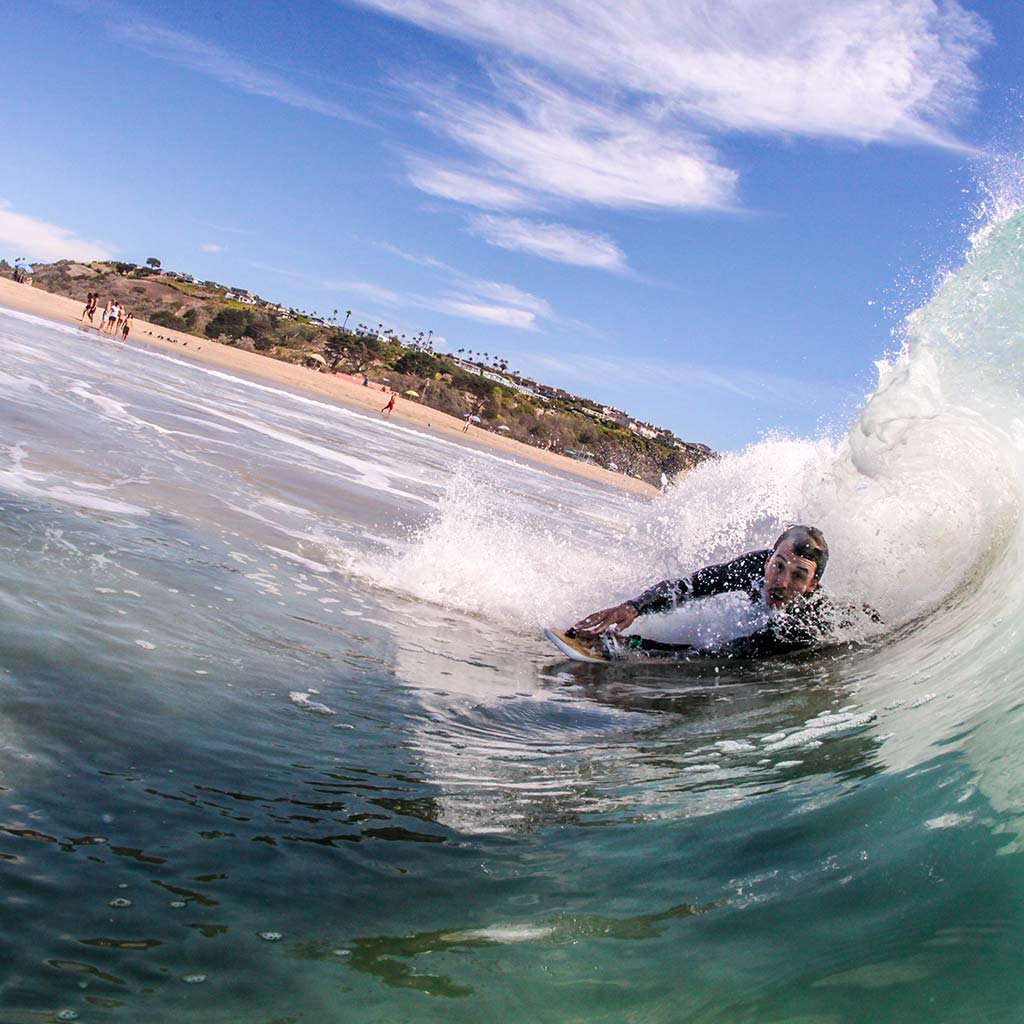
[165,318]
[232,322]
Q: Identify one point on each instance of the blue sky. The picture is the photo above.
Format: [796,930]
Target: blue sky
[710,215]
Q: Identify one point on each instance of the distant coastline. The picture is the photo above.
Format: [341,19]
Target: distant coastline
[341,390]
[468,385]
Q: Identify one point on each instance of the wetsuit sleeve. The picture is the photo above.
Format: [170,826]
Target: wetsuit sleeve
[744,573]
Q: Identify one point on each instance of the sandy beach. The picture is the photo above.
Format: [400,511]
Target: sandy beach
[334,387]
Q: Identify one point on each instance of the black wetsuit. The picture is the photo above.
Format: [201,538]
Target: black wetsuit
[802,623]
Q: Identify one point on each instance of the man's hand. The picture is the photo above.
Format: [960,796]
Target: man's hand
[617,618]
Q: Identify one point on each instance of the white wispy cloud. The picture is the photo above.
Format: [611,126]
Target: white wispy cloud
[39,240]
[447,183]
[365,289]
[464,296]
[212,247]
[476,298]
[551,143]
[556,242]
[504,316]
[659,375]
[619,103]
[129,28]
[867,70]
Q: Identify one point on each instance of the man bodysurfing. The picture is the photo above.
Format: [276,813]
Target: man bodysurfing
[783,579]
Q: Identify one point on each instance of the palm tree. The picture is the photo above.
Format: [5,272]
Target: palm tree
[348,313]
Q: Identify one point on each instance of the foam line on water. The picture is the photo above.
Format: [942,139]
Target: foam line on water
[282,393]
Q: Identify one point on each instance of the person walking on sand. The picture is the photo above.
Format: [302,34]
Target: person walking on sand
[118,321]
[126,327]
[87,312]
[391,404]
[104,318]
[469,419]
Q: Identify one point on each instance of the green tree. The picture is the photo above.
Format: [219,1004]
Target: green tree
[420,364]
[165,318]
[232,322]
[153,262]
[358,351]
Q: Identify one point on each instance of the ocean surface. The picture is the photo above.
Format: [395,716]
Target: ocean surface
[280,740]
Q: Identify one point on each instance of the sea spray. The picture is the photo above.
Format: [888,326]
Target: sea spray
[915,498]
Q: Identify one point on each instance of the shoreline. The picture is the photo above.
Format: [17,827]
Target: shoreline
[341,390]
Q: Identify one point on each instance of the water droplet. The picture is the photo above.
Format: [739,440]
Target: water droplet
[120,902]
[67,1015]
[271,936]
[194,979]
[177,904]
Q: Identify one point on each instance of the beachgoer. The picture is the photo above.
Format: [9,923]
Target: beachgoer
[104,318]
[783,580]
[391,404]
[117,323]
[126,327]
[465,426]
[88,307]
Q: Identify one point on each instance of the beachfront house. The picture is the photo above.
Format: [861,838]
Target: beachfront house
[643,429]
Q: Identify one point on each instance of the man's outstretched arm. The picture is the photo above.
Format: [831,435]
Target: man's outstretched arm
[661,597]
[740,574]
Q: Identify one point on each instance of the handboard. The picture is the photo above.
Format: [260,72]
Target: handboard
[571,647]
[611,646]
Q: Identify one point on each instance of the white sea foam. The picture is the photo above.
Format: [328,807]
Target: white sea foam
[304,701]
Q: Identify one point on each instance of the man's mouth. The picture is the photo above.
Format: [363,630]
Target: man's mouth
[776,596]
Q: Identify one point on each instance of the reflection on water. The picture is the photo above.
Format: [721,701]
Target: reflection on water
[392,958]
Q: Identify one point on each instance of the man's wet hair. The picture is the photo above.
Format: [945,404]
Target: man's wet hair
[808,542]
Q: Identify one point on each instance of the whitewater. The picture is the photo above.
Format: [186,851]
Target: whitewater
[281,739]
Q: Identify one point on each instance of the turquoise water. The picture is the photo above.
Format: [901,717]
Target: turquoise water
[280,740]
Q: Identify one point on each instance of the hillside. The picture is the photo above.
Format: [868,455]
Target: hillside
[461,384]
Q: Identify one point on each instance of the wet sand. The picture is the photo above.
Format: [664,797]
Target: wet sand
[333,387]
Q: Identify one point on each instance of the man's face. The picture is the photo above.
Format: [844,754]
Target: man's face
[787,576]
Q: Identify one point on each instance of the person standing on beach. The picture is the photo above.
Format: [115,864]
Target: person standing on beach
[104,318]
[126,327]
[391,404]
[117,323]
[89,307]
